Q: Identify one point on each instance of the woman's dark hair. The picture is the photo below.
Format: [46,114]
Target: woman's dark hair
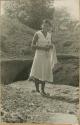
[47,21]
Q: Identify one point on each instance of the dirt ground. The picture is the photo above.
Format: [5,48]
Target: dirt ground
[20,103]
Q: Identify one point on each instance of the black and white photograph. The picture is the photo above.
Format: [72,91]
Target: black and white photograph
[39,61]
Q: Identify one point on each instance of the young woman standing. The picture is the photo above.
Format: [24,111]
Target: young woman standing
[41,71]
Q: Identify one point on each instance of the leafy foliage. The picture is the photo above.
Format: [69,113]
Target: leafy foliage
[66,32]
[29,12]
[16,37]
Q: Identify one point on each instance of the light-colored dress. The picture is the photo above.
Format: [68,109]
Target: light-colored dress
[43,60]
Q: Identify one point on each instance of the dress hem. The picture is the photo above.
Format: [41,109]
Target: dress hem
[32,78]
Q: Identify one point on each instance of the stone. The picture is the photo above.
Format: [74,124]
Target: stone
[62,118]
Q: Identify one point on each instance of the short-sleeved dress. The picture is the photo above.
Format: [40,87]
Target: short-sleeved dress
[43,60]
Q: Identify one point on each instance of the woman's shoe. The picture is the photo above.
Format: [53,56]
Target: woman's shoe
[38,91]
[43,93]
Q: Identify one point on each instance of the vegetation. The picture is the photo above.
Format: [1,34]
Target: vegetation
[22,18]
[66,33]
[15,38]
[30,12]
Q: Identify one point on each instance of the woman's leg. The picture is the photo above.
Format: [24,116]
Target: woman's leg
[37,86]
[43,87]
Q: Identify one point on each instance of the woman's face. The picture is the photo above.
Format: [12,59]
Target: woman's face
[45,27]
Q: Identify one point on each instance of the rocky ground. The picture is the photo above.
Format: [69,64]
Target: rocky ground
[20,103]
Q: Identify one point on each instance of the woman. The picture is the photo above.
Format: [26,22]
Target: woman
[45,58]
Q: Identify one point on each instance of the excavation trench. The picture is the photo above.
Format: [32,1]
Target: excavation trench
[19,69]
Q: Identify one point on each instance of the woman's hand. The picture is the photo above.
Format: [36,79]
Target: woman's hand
[48,47]
[40,47]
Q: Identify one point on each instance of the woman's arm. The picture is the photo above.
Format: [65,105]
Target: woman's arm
[51,41]
[34,41]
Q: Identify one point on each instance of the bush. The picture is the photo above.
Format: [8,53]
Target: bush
[30,12]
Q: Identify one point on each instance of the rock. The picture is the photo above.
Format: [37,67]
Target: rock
[31,104]
[66,91]
[61,118]
[17,117]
